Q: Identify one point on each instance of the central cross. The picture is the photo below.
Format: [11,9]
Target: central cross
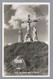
[30,21]
[28,35]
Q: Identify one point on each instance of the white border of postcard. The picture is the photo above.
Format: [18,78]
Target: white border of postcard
[25,3]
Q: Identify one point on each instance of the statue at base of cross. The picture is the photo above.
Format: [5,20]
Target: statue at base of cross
[20,37]
[27,38]
[35,38]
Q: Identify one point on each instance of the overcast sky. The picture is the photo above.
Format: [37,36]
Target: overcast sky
[16,11]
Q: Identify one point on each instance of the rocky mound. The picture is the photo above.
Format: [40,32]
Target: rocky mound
[35,55]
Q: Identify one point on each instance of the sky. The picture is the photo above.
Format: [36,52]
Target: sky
[15,11]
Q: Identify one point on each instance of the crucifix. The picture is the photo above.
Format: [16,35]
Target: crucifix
[28,36]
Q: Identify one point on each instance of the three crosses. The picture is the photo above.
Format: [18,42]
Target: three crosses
[28,36]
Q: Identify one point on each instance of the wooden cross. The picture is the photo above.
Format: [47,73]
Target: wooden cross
[29,21]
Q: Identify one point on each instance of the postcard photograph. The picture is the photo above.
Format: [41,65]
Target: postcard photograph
[25,39]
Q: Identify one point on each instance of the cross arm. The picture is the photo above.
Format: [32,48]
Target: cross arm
[29,21]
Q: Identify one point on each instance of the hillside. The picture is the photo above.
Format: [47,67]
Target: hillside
[35,55]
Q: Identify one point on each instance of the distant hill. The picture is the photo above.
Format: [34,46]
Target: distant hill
[35,55]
